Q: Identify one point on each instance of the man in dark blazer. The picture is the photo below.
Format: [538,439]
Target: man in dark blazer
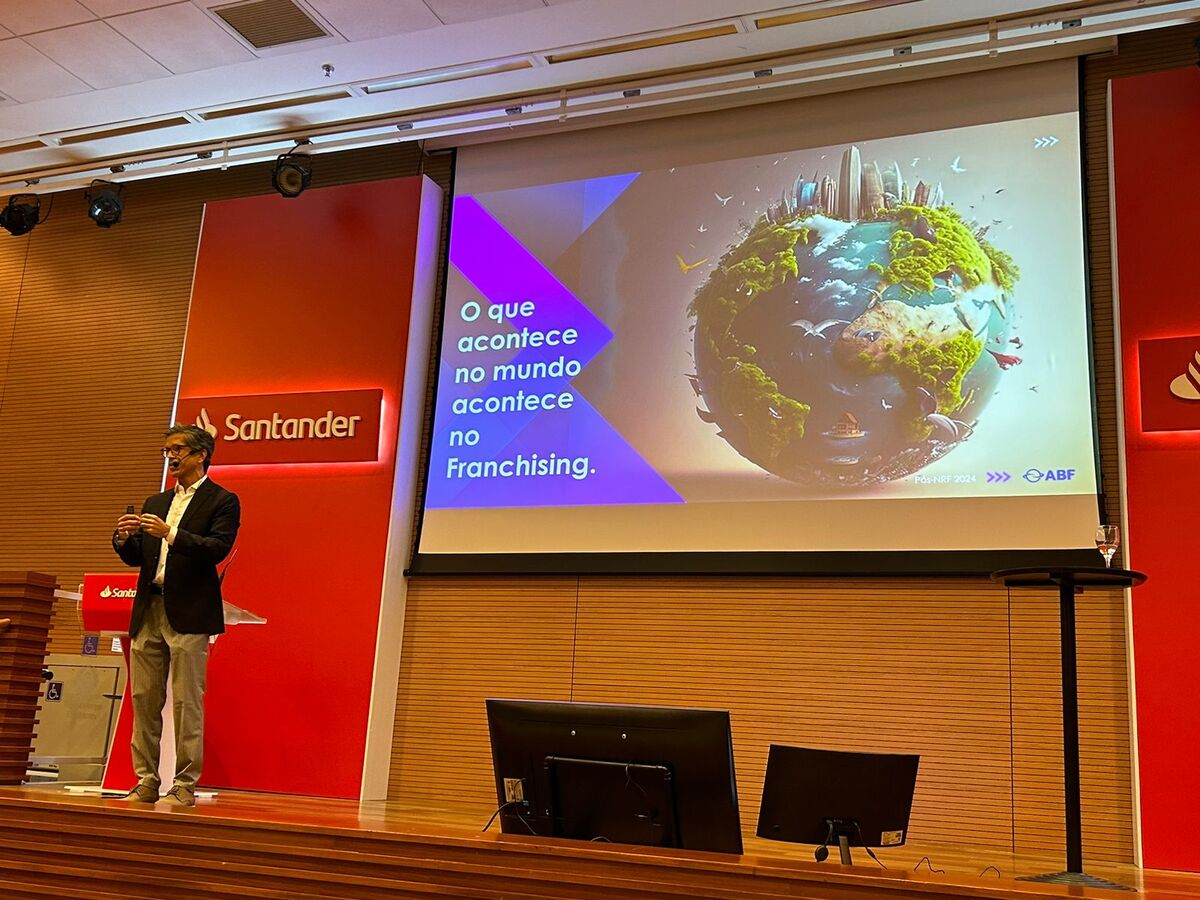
[177,541]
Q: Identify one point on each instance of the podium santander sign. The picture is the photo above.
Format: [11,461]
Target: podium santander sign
[281,429]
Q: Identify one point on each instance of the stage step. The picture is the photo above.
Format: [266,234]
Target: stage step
[66,847]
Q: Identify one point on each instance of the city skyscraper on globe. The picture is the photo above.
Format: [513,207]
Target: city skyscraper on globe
[828,194]
[850,186]
[872,189]
[894,192]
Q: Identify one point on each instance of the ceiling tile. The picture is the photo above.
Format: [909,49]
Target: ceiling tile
[106,8]
[97,54]
[454,11]
[181,37]
[26,16]
[26,75]
[361,20]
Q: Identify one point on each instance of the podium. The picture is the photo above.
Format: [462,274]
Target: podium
[26,602]
[105,608]
[1069,581]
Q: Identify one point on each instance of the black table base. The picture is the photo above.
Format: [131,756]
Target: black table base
[1068,581]
[1076,878]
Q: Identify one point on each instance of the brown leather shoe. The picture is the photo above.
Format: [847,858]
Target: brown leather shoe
[180,796]
[143,793]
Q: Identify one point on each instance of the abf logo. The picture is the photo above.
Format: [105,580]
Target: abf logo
[110,591]
[203,421]
[1187,385]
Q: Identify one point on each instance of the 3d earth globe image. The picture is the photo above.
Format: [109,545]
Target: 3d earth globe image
[854,343]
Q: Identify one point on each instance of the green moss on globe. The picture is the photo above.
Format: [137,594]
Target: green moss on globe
[915,261]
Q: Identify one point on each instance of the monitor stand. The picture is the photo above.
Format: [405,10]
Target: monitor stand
[842,829]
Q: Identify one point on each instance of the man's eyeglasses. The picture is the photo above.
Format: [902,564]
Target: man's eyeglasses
[178,452]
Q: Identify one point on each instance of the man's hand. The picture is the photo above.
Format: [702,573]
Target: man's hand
[154,526]
[127,525]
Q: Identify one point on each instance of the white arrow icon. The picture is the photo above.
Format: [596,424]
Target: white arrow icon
[1043,142]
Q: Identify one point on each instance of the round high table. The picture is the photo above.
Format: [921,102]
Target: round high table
[1069,581]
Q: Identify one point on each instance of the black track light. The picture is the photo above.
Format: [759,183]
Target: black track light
[21,214]
[105,205]
[292,172]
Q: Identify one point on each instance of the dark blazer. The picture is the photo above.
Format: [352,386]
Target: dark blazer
[191,586]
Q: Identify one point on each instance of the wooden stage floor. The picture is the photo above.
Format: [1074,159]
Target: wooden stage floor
[236,845]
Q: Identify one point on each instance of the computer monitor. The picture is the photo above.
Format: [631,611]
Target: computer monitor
[836,797]
[650,775]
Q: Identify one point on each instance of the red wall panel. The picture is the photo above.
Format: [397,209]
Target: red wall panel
[291,296]
[1155,126]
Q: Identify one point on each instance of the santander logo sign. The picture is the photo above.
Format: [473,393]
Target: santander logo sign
[109,591]
[1169,370]
[1187,385]
[278,429]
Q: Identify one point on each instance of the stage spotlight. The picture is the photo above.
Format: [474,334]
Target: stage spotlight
[292,172]
[105,205]
[21,214]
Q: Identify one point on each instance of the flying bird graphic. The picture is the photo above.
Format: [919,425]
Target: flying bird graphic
[702,229]
[1005,360]
[819,329]
[955,167]
[916,159]
[723,200]
[686,267]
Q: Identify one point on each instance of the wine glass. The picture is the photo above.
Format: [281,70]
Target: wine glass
[1108,538]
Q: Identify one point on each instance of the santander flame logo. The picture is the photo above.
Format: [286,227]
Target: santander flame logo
[1187,385]
[203,421]
[107,592]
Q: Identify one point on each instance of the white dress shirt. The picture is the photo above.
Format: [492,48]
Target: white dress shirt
[179,504]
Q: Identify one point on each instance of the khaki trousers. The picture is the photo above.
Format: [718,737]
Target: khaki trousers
[157,649]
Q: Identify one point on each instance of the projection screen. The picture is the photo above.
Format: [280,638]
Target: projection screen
[854,323]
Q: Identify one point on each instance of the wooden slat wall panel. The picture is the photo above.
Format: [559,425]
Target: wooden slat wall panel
[466,640]
[947,668]
[835,664]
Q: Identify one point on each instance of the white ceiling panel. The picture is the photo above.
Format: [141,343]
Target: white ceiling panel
[97,55]
[106,8]
[26,75]
[181,37]
[361,20]
[27,16]
[454,11]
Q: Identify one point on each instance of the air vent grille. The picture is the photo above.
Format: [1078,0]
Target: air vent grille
[656,40]
[270,23]
[22,147]
[123,130]
[826,12]
[268,105]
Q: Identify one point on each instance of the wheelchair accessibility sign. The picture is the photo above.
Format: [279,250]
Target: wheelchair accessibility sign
[54,691]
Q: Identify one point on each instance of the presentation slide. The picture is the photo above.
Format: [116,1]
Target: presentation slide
[879,344]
